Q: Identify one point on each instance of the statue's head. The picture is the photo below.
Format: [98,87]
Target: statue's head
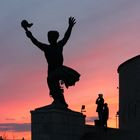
[105,104]
[100,95]
[53,36]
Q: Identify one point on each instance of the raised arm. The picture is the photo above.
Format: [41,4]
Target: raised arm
[68,32]
[34,40]
[25,25]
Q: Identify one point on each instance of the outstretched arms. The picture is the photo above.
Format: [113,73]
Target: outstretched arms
[68,32]
[34,40]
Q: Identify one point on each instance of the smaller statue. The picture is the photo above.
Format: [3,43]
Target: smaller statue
[100,104]
[105,114]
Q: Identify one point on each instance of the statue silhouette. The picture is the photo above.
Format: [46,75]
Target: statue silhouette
[105,114]
[100,104]
[57,72]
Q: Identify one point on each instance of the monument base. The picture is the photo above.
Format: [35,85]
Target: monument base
[50,123]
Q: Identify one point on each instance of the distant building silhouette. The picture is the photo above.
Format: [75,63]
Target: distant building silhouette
[129,106]
[129,95]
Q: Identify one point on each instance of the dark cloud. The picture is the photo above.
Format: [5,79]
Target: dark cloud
[10,119]
[91,119]
[17,127]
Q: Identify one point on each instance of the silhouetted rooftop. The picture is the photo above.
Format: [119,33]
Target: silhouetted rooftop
[128,61]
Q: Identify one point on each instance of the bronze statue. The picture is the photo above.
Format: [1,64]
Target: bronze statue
[57,73]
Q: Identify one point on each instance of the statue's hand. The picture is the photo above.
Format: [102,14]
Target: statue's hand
[25,24]
[72,21]
[28,34]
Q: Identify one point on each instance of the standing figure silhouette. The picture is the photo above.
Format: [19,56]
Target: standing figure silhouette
[100,104]
[57,72]
[105,115]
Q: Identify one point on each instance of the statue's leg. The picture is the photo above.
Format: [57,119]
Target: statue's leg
[55,91]
[50,85]
[61,97]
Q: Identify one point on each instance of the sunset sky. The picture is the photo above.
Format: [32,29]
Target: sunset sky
[106,34]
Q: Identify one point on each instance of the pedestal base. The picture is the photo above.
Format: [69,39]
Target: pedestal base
[56,124]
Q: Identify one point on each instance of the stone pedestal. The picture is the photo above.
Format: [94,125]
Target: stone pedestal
[56,124]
